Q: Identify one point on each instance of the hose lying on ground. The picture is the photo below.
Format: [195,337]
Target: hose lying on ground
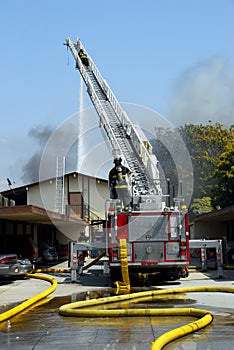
[83,308]
[68,270]
[51,270]
[21,307]
[24,305]
[90,308]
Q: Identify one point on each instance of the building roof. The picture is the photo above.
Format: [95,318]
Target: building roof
[23,187]
[225,214]
[34,214]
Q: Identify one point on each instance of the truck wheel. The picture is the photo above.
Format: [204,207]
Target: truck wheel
[116,275]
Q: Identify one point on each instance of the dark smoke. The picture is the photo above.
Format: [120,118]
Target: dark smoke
[30,170]
[55,142]
[204,92]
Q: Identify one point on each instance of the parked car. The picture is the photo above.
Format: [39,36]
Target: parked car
[10,265]
[25,266]
[48,253]
[25,248]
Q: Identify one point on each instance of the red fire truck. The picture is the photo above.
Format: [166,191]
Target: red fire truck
[157,240]
[156,232]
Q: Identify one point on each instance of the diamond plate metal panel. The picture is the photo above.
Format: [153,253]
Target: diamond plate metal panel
[172,251]
[143,228]
[148,251]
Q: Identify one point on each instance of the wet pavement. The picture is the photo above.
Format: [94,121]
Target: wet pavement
[41,327]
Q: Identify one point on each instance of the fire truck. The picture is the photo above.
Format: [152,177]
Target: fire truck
[156,232]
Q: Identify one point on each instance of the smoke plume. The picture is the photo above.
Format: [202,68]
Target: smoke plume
[203,93]
[30,170]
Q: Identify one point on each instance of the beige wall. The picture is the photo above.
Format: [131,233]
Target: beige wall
[47,188]
[209,230]
[99,193]
[95,193]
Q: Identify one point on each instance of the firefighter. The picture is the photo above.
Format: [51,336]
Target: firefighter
[83,57]
[118,183]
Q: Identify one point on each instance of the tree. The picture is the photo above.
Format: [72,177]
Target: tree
[205,143]
[222,192]
[201,205]
[211,151]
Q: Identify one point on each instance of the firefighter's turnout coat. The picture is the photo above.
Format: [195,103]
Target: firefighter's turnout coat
[118,184]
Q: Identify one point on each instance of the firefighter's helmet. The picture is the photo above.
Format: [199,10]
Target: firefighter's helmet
[117,160]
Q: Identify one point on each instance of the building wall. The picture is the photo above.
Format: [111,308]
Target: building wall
[208,230]
[94,193]
[98,195]
[214,225]
[47,188]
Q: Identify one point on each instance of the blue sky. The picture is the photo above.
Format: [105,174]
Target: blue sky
[174,56]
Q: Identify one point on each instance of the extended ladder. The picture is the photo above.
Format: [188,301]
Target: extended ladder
[120,132]
[59,191]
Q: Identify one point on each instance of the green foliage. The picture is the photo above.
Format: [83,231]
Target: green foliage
[211,148]
[223,191]
[205,143]
[201,205]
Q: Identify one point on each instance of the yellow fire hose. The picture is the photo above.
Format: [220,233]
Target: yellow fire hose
[123,287]
[198,267]
[26,304]
[99,307]
[51,270]
[19,308]
[68,270]
[90,308]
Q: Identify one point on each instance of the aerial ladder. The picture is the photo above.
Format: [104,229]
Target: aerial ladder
[156,234]
[125,139]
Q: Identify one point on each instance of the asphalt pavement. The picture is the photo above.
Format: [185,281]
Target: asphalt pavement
[42,327]
[20,289]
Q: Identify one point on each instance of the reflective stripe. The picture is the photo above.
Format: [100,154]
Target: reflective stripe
[115,176]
